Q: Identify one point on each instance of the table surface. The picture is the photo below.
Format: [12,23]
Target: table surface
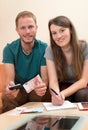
[10,122]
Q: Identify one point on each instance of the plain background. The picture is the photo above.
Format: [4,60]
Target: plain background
[44,10]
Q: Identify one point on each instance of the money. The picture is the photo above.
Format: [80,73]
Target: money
[30,85]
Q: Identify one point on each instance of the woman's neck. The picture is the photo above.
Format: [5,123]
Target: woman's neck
[67,49]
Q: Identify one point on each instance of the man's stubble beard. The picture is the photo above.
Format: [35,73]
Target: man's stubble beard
[28,43]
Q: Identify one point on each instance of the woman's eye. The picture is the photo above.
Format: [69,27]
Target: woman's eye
[53,33]
[62,30]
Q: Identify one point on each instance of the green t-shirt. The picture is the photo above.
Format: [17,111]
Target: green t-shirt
[26,66]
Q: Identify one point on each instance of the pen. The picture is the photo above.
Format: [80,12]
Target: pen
[29,112]
[53,91]
[57,121]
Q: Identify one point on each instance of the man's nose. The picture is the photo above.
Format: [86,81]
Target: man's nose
[27,30]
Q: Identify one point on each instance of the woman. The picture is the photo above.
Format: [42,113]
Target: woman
[67,62]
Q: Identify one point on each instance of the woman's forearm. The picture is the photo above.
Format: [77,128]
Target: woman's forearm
[74,87]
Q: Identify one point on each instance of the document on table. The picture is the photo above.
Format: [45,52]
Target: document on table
[66,105]
[25,110]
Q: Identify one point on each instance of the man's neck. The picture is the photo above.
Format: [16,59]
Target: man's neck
[27,48]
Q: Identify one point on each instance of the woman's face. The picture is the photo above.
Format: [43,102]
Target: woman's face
[60,35]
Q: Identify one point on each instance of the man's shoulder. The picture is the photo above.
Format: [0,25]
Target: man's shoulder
[12,47]
[41,43]
[14,43]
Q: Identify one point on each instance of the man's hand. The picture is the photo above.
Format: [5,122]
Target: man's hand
[40,88]
[11,93]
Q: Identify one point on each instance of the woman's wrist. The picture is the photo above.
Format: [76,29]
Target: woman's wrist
[63,96]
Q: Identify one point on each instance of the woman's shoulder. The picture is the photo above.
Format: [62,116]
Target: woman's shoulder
[48,53]
[83,43]
[48,48]
[84,48]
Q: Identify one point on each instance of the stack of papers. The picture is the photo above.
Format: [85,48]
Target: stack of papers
[66,105]
[25,110]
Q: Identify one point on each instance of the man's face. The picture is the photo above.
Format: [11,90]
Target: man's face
[26,29]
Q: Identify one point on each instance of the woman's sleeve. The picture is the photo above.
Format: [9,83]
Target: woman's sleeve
[85,50]
[48,53]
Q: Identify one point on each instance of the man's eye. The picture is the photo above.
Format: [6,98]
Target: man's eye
[30,27]
[22,28]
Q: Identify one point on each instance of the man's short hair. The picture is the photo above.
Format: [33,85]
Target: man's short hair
[23,14]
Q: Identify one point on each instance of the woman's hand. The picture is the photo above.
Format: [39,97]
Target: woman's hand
[11,93]
[58,99]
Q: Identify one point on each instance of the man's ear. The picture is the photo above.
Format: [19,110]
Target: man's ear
[36,26]
[17,30]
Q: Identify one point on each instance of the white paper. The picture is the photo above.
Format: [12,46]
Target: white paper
[65,105]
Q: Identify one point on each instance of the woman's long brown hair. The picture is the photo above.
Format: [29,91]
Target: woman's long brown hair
[59,58]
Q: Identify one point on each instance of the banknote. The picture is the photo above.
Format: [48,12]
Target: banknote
[29,86]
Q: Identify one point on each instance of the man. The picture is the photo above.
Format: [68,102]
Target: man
[24,59]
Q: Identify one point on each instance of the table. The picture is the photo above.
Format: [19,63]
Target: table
[9,122]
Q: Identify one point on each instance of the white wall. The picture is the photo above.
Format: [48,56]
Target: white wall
[76,10]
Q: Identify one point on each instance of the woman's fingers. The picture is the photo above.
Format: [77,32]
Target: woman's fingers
[58,99]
